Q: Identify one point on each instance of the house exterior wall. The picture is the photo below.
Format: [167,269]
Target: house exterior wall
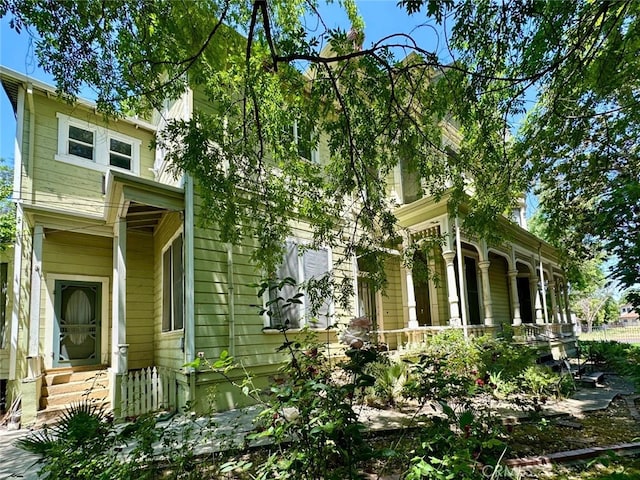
[499,284]
[167,345]
[61,185]
[6,256]
[140,299]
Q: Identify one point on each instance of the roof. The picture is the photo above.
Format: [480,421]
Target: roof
[12,81]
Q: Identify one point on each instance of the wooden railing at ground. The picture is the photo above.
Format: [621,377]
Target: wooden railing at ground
[147,390]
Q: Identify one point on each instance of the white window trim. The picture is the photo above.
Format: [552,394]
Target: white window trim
[305,299]
[51,279]
[167,246]
[315,151]
[101,146]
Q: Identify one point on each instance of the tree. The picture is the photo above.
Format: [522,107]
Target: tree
[7,207]
[278,73]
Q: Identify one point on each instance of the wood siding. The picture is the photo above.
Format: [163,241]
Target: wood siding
[63,186]
[499,285]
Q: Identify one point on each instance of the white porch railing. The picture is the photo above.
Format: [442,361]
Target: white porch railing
[147,390]
[410,339]
[404,339]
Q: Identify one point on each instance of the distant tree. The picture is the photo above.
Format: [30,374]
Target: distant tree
[7,207]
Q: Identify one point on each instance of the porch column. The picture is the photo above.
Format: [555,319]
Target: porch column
[554,302]
[486,292]
[33,356]
[454,309]
[119,300]
[515,301]
[562,307]
[566,303]
[533,283]
[411,299]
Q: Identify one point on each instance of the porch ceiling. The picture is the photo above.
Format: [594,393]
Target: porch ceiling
[142,217]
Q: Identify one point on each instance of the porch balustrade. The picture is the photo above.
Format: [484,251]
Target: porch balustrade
[411,339]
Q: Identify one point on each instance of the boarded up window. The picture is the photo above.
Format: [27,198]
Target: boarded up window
[302,266]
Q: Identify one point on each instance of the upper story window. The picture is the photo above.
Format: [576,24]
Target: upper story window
[302,135]
[91,146]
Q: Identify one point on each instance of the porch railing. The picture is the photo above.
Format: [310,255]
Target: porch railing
[147,390]
[408,339]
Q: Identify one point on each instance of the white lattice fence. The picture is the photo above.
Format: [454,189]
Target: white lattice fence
[147,390]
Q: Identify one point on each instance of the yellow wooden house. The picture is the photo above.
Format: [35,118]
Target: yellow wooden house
[113,285]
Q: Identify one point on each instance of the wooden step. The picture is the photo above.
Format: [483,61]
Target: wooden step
[61,388]
[68,376]
[74,397]
[51,414]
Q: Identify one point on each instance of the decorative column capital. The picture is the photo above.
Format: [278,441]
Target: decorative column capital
[484,264]
[448,256]
[512,273]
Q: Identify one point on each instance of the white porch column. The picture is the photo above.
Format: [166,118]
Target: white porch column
[554,301]
[515,300]
[533,282]
[486,292]
[33,359]
[454,308]
[411,299]
[562,307]
[566,303]
[119,346]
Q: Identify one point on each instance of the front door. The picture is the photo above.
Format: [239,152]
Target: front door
[77,323]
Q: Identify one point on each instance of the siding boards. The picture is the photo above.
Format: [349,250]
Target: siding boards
[140,299]
[62,185]
[499,282]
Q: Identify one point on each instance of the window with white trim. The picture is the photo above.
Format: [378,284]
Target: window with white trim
[302,136]
[302,265]
[173,286]
[91,146]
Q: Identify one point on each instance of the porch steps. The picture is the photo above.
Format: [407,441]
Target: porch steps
[63,387]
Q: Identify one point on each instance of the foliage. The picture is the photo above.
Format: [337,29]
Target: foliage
[622,358]
[7,208]
[390,379]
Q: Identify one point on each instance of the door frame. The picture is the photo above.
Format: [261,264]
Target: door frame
[51,315]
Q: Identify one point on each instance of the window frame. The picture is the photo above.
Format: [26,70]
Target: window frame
[304,306]
[101,146]
[169,248]
[314,151]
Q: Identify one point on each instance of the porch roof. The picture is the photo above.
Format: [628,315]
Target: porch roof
[141,201]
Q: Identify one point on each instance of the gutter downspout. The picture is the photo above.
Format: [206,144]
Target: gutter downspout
[32,139]
[231,301]
[462,300]
[17,253]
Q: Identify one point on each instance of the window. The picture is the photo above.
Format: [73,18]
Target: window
[173,286]
[119,154]
[366,306]
[80,142]
[4,286]
[87,145]
[309,266]
[302,135]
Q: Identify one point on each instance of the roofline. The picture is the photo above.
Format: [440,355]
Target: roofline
[8,73]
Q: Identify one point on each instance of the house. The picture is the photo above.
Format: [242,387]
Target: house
[114,285]
[628,315]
